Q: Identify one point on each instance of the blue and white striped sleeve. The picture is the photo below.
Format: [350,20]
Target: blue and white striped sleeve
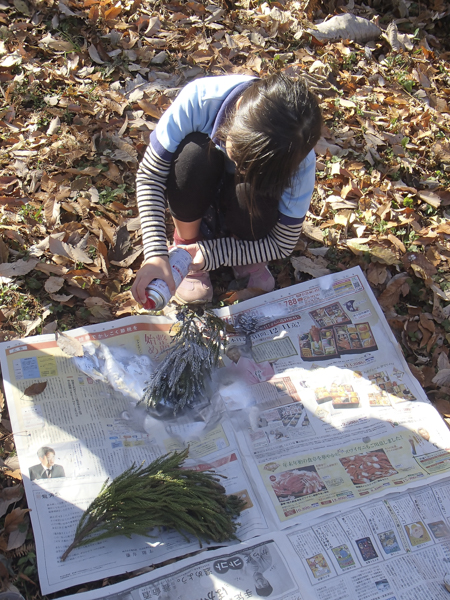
[151,199]
[230,252]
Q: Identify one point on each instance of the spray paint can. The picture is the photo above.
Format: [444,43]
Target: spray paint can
[158,293]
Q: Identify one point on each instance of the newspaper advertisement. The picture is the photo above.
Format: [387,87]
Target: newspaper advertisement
[327,409]
[254,569]
[396,548]
[313,411]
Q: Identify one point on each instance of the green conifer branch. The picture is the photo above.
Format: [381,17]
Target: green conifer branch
[163,494]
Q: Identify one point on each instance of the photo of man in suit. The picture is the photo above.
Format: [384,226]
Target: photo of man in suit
[257,561]
[47,469]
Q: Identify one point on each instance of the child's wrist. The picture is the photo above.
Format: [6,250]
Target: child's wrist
[155,260]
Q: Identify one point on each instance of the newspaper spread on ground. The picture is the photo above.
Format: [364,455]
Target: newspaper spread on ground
[396,548]
[95,433]
[314,418]
[331,413]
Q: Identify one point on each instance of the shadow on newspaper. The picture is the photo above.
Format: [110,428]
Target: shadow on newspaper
[313,413]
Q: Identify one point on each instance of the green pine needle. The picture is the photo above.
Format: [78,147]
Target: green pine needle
[160,495]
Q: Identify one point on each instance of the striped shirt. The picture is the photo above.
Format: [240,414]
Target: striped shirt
[201,106]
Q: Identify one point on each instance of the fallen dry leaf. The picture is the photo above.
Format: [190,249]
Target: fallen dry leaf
[12,462]
[69,345]
[61,298]
[396,287]
[18,268]
[113,12]
[95,301]
[55,44]
[16,474]
[150,109]
[384,255]
[284,278]
[53,284]
[31,325]
[14,519]
[419,263]
[7,424]
[99,314]
[443,406]
[93,53]
[3,544]
[46,268]
[316,268]
[54,126]
[397,243]
[26,578]
[50,327]
[443,362]
[346,27]
[442,377]
[35,389]
[430,198]
[18,536]
[433,256]
[129,260]
[61,248]
[8,495]
[418,374]
[4,251]
[358,245]
[376,274]
[312,232]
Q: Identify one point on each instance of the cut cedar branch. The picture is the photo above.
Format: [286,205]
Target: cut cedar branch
[163,494]
[180,378]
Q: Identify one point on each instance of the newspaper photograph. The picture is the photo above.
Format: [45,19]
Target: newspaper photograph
[312,411]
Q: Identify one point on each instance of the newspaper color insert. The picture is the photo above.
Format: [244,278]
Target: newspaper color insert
[313,417]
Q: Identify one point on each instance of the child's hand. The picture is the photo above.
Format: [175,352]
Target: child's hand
[157,267]
[198,262]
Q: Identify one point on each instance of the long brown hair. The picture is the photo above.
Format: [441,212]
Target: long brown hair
[276,125]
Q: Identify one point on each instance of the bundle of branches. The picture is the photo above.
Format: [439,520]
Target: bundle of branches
[194,352]
[163,494]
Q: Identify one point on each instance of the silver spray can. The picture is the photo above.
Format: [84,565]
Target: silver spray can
[158,293]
